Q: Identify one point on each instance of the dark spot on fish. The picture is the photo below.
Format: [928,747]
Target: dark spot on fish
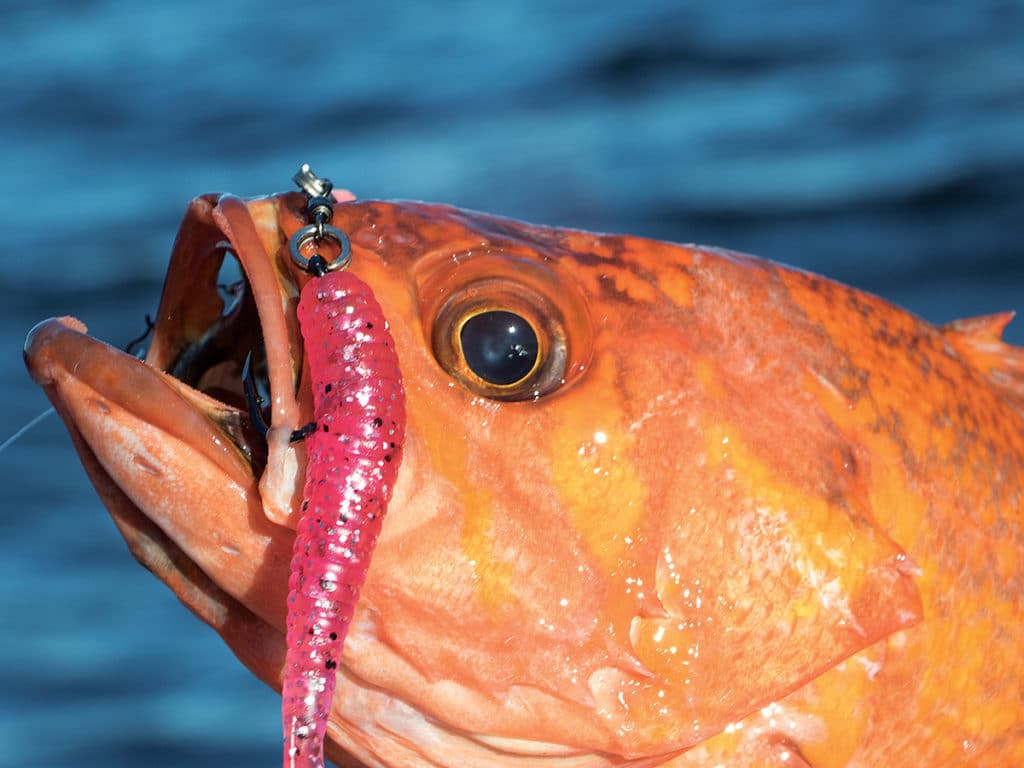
[333,635]
[369,325]
[326,429]
[331,664]
[387,457]
[378,422]
[328,388]
[305,505]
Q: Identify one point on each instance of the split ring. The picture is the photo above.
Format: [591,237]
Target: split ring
[310,233]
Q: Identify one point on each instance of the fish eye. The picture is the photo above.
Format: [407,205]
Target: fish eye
[508,326]
[500,347]
[501,340]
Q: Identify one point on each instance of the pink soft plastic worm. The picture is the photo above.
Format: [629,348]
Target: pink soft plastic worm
[354,452]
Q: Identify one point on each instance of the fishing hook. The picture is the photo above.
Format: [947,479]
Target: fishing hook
[256,402]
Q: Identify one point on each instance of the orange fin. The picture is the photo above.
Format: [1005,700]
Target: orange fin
[979,340]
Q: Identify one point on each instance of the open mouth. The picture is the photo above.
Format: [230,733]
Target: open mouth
[171,443]
[227,362]
[226,325]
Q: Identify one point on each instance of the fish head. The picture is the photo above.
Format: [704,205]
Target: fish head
[643,530]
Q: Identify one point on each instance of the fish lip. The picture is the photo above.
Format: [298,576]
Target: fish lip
[60,354]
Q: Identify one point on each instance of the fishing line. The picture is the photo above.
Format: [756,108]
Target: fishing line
[133,348]
[26,428]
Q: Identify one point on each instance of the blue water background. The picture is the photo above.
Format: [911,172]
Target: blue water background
[880,143]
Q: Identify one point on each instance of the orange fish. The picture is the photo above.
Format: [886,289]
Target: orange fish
[728,514]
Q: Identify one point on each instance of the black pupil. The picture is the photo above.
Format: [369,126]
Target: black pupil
[499,347]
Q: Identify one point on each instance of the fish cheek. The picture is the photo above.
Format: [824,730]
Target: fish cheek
[762,570]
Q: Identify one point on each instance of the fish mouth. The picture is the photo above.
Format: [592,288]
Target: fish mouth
[169,441]
[207,330]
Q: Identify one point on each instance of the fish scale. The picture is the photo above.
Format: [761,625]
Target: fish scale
[353,458]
